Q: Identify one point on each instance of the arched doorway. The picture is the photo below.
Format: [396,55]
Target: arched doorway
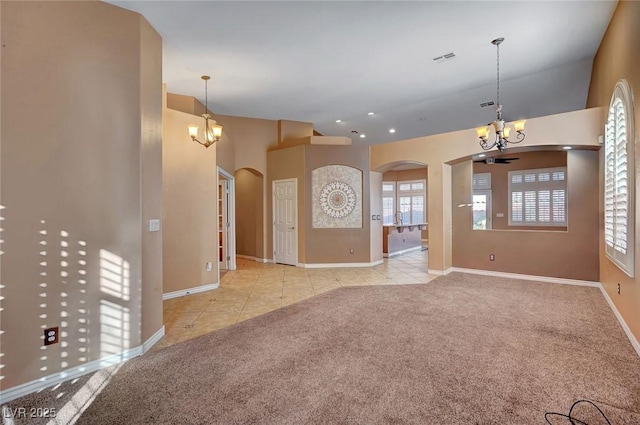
[404,196]
[249,185]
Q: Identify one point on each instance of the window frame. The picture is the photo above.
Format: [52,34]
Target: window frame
[411,193]
[538,186]
[619,155]
[389,194]
[481,186]
[396,194]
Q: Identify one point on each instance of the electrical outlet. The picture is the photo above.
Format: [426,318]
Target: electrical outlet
[492,257]
[618,289]
[209,266]
[351,251]
[51,336]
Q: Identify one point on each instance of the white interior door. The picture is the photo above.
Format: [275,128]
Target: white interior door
[285,222]
[230,217]
[223,224]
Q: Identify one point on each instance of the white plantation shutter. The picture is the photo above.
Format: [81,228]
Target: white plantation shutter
[481,181]
[388,202]
[409,197]
[538,197]
[618,177]
[544,206]
[516,207]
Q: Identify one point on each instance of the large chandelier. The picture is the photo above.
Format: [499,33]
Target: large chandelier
[502,131]
[212,131]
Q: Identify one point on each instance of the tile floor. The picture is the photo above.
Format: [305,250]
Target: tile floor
[255,288]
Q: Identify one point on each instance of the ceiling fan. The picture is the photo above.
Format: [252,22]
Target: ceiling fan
[491,160]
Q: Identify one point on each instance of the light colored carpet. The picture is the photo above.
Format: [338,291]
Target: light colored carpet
[461,349]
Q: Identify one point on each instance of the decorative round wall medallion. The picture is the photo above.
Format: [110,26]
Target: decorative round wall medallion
[337,199]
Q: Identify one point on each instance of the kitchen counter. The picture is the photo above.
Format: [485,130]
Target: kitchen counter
[400,238]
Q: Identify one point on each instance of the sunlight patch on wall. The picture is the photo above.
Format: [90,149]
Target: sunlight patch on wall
[43,284]
[64,314]
[81,310]
[2,207]
[114,328]
[114,275]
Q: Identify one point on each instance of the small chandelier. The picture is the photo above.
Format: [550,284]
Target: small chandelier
[501,130]
[212,131]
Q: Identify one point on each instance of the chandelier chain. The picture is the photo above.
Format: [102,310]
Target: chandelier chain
[498,76]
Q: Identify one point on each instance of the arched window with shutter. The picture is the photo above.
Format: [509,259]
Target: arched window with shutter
[619,179]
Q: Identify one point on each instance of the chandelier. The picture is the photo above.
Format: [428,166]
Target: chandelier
[502,131]
[212,131]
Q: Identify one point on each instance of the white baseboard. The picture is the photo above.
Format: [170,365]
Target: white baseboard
[157,336]
[246,257]
[194,290]
[440,272]
[625,327]
[338,265]
[256,259]
[9,394]
[547,279]
[404,251]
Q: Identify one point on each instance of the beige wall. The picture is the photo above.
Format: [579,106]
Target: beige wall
[619,57]
[320,245]
[249,213]
[333,245]
[375,200]
[575,128]
[189,204]
[186,104]
[151,100]
[500,183]
[293,130]
[571,254]
[225,148]
[77,184]
[402,175]
[244,144]
[286,164]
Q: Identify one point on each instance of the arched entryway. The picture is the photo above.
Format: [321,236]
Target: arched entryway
[403,192]
[249,184]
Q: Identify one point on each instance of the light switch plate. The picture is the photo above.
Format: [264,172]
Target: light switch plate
[154,225]
[500,215]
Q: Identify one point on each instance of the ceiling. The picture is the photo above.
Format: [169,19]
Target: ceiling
[323,61]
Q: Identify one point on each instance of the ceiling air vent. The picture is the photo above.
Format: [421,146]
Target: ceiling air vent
[489,103]
[444,57]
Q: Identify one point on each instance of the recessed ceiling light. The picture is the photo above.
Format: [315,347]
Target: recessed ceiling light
[392,130]
[370,113]
[481,155]
[338,120]
[362,136]
[567,148]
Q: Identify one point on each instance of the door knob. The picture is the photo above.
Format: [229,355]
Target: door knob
[291,228]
